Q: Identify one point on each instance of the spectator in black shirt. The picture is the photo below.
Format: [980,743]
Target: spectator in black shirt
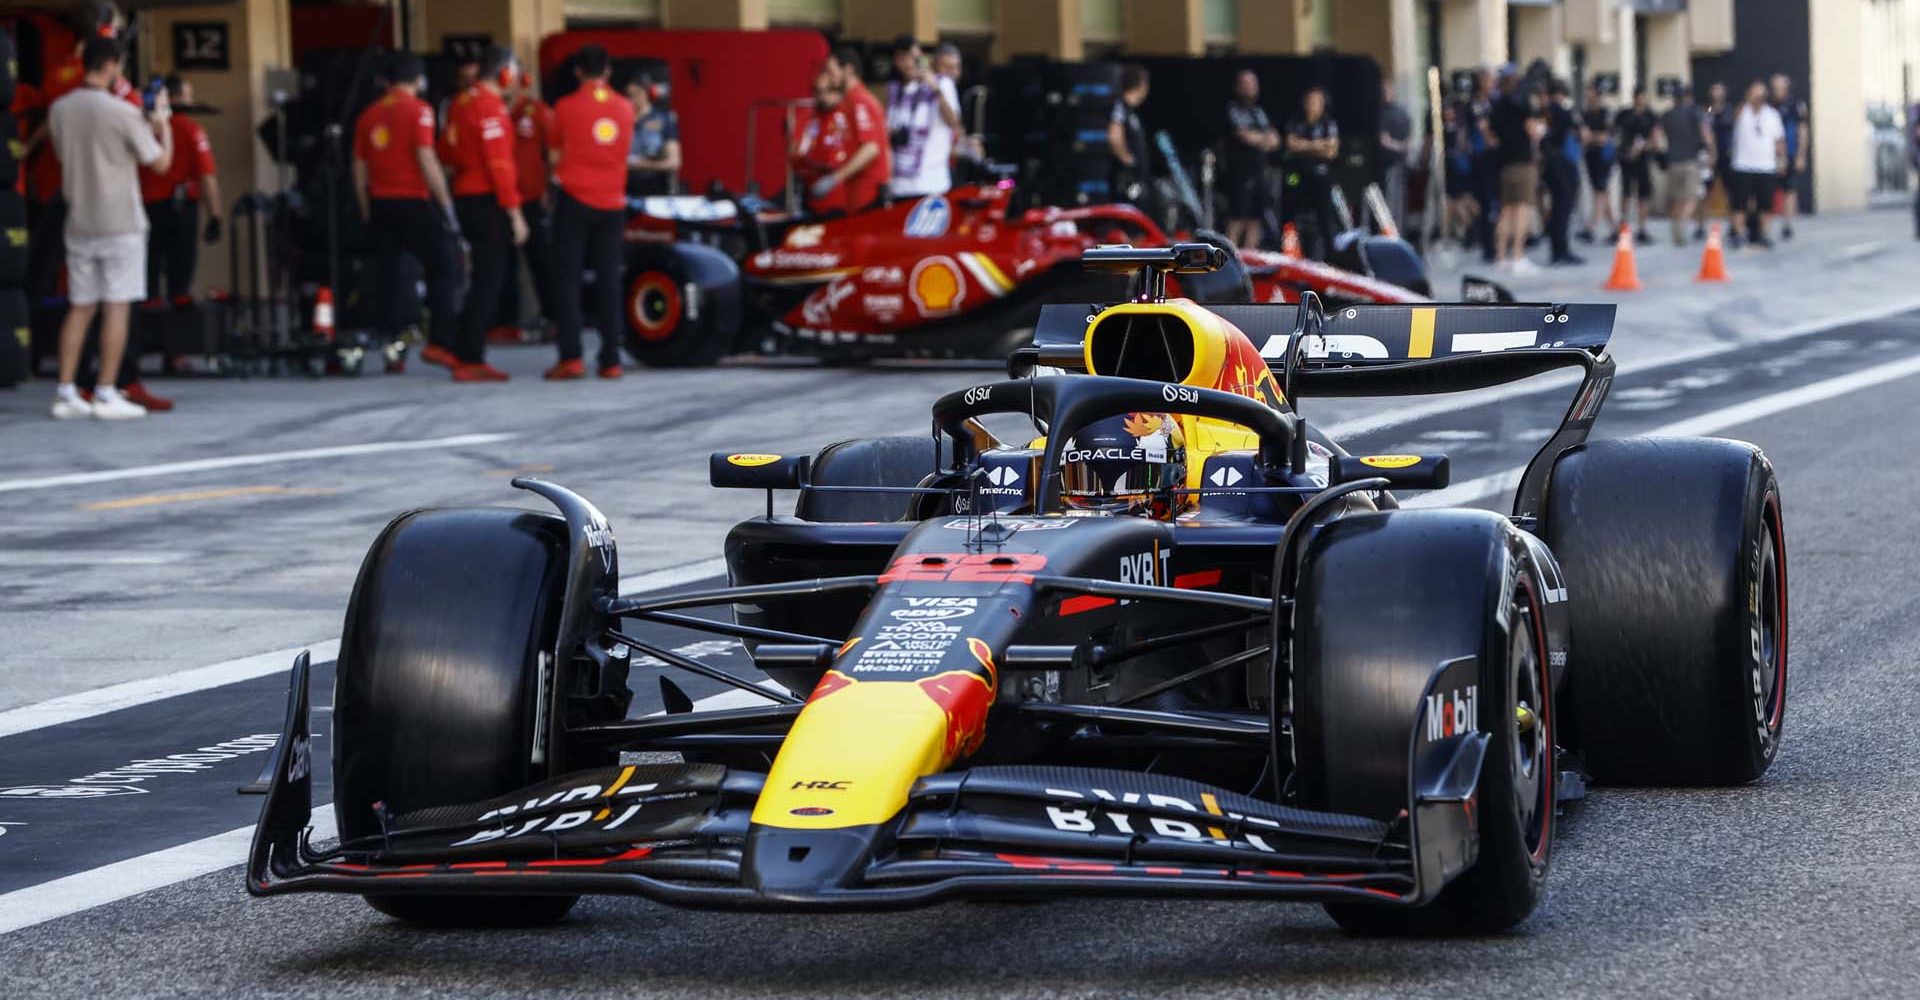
[1486,166]
[1720,115]
[1635,127]
[1396,133]
[1560,157]
[1313,143]
[1596,135]
[1131,169]
[1516,127]
[1250,138]
[1793,116]
[1688,145]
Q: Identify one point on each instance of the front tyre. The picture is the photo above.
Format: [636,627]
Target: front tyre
[1674,553]
[1384,601]
[435,700]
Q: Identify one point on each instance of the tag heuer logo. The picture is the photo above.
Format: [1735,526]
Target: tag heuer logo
[68,791]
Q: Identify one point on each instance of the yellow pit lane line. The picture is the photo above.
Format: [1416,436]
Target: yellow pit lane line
[195,496]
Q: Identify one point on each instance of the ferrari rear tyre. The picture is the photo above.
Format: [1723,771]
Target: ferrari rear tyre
[1676,568]
[1384,601]
[435,699]
[666,328]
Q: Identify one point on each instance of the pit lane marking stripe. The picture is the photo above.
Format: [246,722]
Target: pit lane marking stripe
[37,904]
[100,701]
[195,496]
[1711,422]
[240,461]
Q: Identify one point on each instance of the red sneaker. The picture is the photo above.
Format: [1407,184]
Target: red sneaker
[610,371]
[434,354]
[137,393]
[478,372]
[566,371]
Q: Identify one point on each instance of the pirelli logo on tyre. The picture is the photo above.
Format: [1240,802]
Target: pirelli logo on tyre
[752,461]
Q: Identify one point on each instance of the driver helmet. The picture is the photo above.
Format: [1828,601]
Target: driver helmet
[1128,464]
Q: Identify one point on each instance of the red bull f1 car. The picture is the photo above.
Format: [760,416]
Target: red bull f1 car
[956,275]
[1165,641]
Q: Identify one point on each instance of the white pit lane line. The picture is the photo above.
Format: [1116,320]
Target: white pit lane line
[239,461]
[117,881]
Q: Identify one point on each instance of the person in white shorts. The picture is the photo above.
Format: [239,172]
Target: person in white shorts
[102,140]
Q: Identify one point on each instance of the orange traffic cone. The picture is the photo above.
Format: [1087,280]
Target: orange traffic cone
[1626,274]
[323,313]
[1713,263]
[1290,241]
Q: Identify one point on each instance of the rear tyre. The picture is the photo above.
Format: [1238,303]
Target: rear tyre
[435,699]
[1384,600]
[1675,561]
[673,308]
[884,461]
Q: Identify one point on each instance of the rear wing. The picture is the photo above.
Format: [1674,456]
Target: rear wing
[1385,350]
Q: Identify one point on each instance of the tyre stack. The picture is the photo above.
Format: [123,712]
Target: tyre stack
[15,333]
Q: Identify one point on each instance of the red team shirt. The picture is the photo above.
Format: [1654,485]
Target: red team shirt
[479,145]
[592,128]
[192,160]
[865,122]
[823,147]
[387,139]
[532,131]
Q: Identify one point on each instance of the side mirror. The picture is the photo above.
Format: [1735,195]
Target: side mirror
[1405,472]
[758,470]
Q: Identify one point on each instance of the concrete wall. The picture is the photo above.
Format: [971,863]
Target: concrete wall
[1037,28]
[1836,90]
[1166,27]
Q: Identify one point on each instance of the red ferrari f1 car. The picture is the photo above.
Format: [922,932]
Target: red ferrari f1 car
[961,274]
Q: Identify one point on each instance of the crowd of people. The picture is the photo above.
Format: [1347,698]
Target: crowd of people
[512,178]
[1517,140]
[852,150]
[117,182]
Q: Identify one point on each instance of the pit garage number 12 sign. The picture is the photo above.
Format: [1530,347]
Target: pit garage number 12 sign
[201,45]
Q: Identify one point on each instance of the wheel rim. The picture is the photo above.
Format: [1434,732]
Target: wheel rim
[1532,750]
[653,306]
[1770,630]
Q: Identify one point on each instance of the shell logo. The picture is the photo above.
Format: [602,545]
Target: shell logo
[606,132]
[380,137]
[935,286]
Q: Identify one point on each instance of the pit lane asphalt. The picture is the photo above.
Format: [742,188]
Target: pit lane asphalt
[1799,886]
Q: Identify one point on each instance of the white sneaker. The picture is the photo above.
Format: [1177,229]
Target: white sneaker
[71,408]
[1524,268]
[108,404]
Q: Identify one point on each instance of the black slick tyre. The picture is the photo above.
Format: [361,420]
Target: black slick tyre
[435,698]
[1675,562]
[883,461]
[1385,600]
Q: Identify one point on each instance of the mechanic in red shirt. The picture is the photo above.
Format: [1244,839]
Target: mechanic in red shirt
[173,199]
[486,200]
[592,128]
[869,165]
[532,141]
[821,148]
[402,193]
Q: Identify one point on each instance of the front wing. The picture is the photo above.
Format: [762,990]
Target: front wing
[680,834]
